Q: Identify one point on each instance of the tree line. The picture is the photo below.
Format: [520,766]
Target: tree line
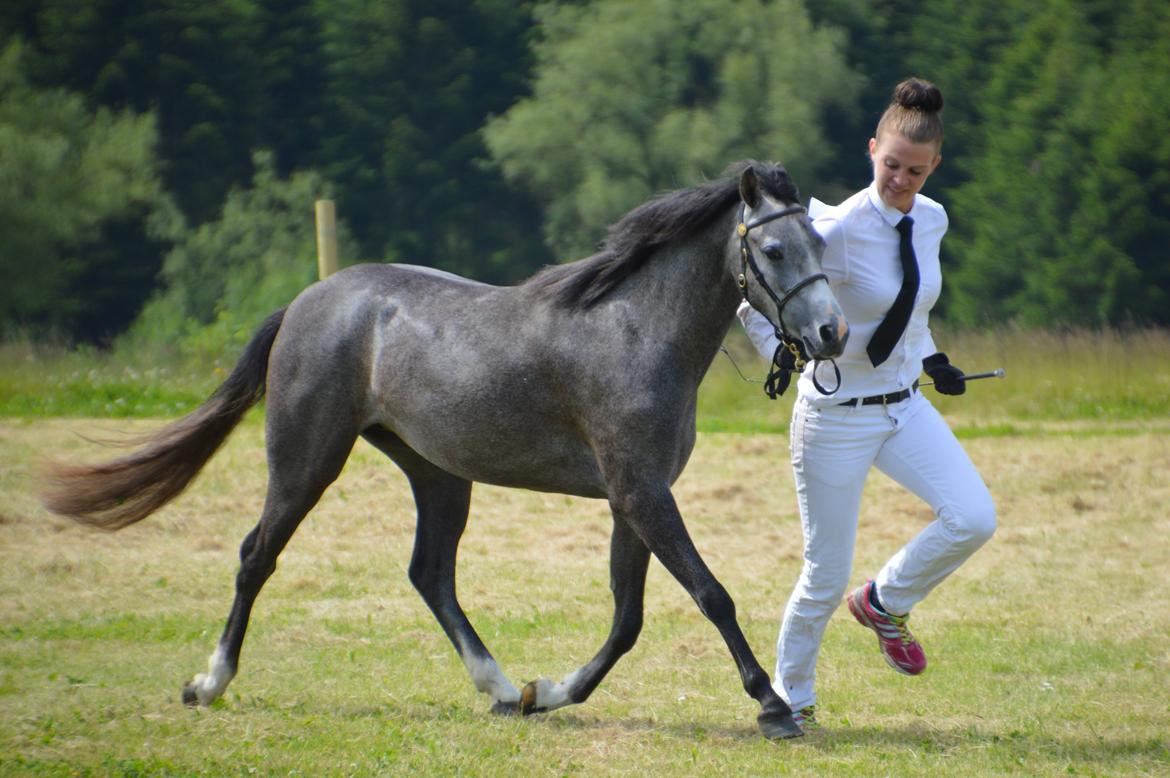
[159,158]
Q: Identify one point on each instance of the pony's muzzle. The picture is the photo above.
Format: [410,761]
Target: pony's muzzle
[832,336]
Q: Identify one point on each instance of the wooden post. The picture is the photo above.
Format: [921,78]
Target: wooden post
[326,239]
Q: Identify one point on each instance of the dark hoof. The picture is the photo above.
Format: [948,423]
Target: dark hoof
[779,727]
[506,708]
[528,700]
[189,697]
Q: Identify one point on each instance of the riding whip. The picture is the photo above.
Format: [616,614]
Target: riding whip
[997,373]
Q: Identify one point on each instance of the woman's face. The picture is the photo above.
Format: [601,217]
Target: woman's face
[901,167]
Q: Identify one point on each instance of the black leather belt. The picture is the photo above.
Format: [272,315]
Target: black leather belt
[882,399]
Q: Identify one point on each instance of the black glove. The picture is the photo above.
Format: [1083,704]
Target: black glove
[948,379]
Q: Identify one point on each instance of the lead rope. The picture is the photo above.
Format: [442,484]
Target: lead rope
[787,360]
[775,374]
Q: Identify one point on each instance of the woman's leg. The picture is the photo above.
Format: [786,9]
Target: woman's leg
[832,451]
[926,458]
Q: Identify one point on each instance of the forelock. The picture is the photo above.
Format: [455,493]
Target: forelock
[778,184]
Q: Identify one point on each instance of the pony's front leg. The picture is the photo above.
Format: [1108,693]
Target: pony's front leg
[628,561]
[653,514]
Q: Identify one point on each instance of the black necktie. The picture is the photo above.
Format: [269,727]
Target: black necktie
[892,327]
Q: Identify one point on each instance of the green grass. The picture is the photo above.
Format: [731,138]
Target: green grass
[1048,649]
[44,382]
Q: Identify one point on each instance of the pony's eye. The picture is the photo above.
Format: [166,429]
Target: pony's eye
[773,252]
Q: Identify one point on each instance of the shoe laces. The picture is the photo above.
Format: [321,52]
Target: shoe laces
[903,629]
[807,716]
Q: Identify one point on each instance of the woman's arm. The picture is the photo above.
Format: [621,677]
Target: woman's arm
[759,330]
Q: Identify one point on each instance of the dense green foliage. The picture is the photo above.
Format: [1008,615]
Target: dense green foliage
[229,273]
[74,184]
[1065,216]
[657,95]
[385,100]
[488,137]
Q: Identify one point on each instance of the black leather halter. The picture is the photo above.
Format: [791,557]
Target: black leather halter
[790,355]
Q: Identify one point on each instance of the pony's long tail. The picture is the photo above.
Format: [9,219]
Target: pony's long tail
[126,490]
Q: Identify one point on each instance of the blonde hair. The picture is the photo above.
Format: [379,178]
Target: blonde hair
[914,112]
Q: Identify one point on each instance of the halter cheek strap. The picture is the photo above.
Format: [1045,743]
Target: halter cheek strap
[789,356]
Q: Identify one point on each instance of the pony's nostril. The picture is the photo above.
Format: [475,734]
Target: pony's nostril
[828,334]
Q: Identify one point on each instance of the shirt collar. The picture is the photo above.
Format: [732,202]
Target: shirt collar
[890,215]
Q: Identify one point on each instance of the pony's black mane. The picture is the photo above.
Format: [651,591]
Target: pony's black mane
[635,237]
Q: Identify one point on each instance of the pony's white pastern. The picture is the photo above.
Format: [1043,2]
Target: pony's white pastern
[490,680]
[550,695]
[210,686]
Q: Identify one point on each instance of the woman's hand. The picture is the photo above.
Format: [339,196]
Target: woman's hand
[947,378]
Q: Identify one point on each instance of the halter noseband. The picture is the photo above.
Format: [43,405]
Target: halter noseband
[789,356]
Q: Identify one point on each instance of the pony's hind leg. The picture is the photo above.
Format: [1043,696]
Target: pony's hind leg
[443,501]
[629,560]
[303,460]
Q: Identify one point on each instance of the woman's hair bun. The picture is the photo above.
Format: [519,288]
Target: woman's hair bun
[917,94]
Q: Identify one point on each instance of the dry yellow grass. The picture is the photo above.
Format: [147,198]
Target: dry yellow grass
[1048,648]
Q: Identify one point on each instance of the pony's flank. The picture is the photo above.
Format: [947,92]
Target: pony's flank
[633,239]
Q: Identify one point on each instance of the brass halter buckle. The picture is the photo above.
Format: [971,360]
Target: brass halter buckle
[794,349]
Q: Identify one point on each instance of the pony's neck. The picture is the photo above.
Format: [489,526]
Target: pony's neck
[693,286]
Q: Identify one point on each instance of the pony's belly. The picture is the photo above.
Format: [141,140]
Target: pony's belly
[559,483]
[529,456]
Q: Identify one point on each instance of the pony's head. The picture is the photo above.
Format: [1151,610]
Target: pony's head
[779,263]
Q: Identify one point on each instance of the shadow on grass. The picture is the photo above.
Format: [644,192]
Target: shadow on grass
[1013,746]
[963,738]
[986,745]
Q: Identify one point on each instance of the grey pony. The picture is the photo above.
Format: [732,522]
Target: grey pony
[582,380]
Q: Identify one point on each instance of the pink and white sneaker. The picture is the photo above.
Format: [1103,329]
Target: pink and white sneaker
[806,717]
[901,650]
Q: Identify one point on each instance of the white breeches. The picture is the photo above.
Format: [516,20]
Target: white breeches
[833,450]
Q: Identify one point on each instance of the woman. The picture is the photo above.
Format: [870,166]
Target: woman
[882,259]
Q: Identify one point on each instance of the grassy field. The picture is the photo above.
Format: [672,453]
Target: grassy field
[1049,652]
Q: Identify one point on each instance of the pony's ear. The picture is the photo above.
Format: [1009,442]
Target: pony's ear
[749,187]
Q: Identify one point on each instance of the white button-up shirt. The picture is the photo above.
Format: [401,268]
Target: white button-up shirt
[862,263]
